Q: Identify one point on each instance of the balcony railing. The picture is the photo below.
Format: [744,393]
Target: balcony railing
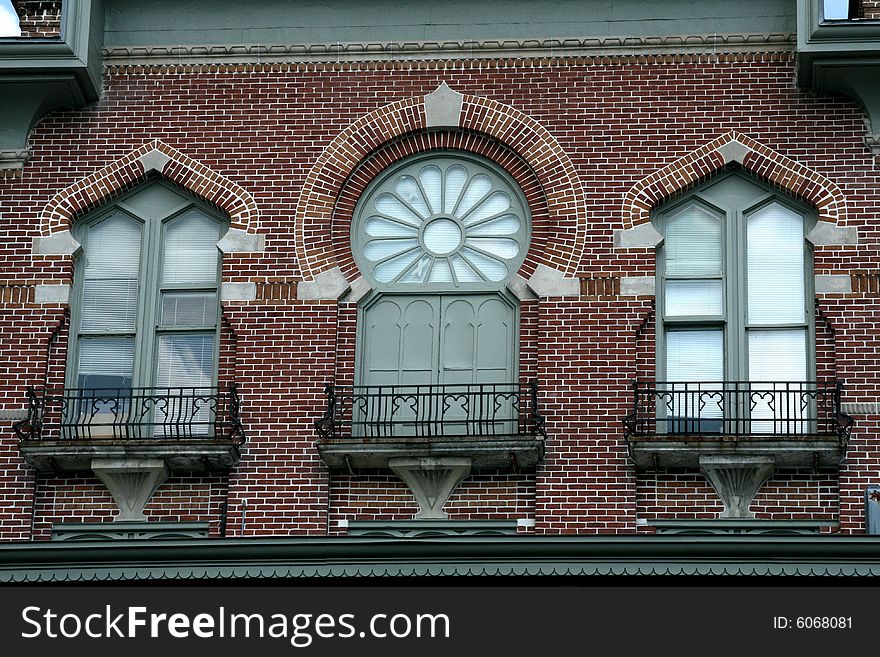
[111,414]
[737,409]
[423,412]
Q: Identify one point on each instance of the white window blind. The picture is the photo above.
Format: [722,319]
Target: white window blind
[694,298]
[695,356]
[775,244]
[777,356]
[105,362]
[185,360]
[693,243]
[190,252]
[110,277]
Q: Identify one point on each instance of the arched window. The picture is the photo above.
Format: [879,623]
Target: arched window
[439,235]
[145,310]
[734,307]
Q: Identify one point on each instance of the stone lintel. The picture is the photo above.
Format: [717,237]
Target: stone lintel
[636,286]
[549,282]
[833,284]
[238,291]
[52,294]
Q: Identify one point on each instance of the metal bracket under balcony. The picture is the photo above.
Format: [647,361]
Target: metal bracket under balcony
[190,429]
[496,426]
[797,424]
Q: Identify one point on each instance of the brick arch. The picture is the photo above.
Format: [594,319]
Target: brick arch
[421,142]
[761,160]
[565,198]
[124,173]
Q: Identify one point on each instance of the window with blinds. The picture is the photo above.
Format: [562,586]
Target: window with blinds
[147,307]
[734,274]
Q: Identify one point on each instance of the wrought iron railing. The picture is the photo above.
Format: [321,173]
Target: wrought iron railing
[737,409]
[431,411]
[185,413]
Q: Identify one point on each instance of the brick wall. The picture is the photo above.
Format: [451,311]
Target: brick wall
[265,129]
[38,18]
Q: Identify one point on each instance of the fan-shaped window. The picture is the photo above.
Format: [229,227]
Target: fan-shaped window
[449,222]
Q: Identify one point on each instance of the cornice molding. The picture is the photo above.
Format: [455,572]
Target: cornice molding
[449,50]
[468,556]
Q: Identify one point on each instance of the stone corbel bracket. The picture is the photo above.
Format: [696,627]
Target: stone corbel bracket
[131,482]
[736,480]
[431,481]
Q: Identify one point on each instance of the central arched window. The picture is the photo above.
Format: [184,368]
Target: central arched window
[451,222]
[439,235]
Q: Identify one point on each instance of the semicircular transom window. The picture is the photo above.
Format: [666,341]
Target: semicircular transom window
[441,221]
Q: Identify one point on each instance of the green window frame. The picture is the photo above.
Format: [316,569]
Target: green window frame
[441,221]
[153,322]
[704,313]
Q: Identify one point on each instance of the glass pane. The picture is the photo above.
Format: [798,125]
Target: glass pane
[778,363]
[693,402]
[497,246]
[496,203]
[836,9]
[506,225]
[418,272]
[190,252]
[442,236]
[376,250]
[431,183]
[775,237]
[441,272]
[493,269]
[692,298]
[477,188]
[408,190]
[189,309]
[110,275]
[463,271]
[693,243]
[185,360]
[105,363]
[382,227]
[456,176]
[388,270]
[390,205]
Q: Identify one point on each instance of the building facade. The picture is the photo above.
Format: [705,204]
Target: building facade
[608,269]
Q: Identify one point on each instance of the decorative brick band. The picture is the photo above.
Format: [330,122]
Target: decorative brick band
[600,286]
[761,160]
[14,294]
[275,290]
[124,173]
[523,135]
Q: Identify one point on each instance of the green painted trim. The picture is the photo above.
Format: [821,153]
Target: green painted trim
[734,242]
[150,289]
[344,557]
[51,73]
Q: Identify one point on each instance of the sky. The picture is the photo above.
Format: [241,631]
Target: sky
[8,19]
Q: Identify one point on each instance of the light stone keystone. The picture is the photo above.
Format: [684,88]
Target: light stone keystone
[734,151]
[520,288]
[443,107]
[825,233]
[155,160]
[360,287]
